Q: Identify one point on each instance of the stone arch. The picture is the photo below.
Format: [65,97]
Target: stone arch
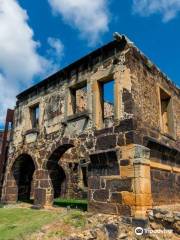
[23,153]
[57,172]
[20,183]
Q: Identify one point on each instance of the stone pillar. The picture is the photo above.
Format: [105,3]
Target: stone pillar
[127,194]
[43,193]
[89,98]
[10,190]
[135,164]
[118,96]
[97,105]
[142,187]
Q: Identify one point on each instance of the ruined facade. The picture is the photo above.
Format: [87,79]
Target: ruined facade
[68,141]
[1,140]
[5,139]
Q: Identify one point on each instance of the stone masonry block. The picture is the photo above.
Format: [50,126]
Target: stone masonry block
[140,211]
[10,198]
[142,185]
[11,183]
[133,137]
[118,185]
[124,162]
[101,195]
[40,196]
[94,182]
[128,198]
[121,140]
[116,197]
[124,210]
[41,174]
[127,171]
[143,200]
[45,184]
[11,190]
[100,207]
[106,142]
[125,125]
[134,151]
[142,171]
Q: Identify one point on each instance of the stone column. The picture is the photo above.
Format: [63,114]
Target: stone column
[10,190]
[97,105]
[142,187]
[135,163]
[43,192]
[118,96]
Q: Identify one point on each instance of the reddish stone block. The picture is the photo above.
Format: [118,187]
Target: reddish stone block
[41,174]
[124,210]
[101,195]
[118,185]
[39,196]
[100,207]
[94,182]
[44,184]
[116,197]
[106,142]
[11,190]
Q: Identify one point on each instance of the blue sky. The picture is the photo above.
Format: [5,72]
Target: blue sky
[53,33]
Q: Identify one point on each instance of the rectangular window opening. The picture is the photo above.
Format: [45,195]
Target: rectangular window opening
[79,99]
[166,112]
[35,116]
[108,102]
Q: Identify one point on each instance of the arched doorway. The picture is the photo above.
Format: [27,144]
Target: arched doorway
[56,172]
[23,170]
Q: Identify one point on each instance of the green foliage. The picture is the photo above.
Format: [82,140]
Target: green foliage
[72,203]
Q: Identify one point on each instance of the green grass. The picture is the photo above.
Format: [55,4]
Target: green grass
[72,219]
[76,219]
[17,223]
[72,203]
[55,234]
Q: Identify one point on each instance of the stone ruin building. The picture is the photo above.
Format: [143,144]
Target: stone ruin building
[69,141]
[1,139]
[5,139]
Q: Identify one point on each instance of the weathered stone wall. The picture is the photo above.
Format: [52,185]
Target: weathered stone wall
[126,191]
[165,187]
[107,195]
[59,128]
[146,80]
[1,139]
[116,154]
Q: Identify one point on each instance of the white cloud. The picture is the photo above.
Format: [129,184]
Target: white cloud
[56,47]
[7,97]
[19,58]
[169,9]
[90,17]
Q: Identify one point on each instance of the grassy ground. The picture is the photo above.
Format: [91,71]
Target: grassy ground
[21,223]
